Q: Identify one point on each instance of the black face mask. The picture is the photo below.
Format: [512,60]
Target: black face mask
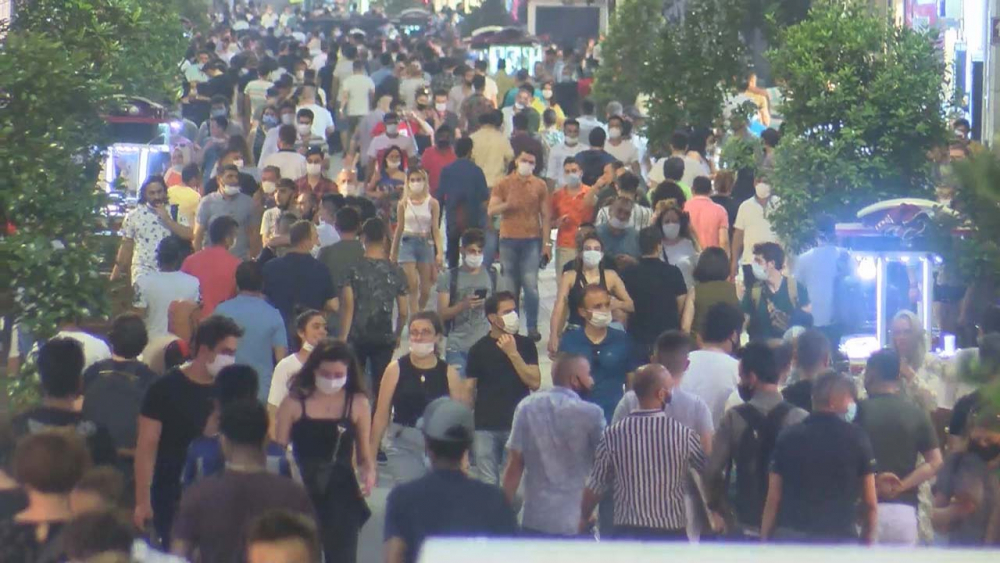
[746,392]
[986,453]
[443,143]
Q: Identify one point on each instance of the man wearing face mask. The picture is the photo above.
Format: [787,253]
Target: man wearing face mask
[558,154]
[619,237]
[502,370]
[437,157]
[744,440]
[612,353]
[657,289]
[269,178]
[390,138]
[283,197]
[463,193]
[775,302]
[306,139]
[523,141]
[214,265]
[291,163]
[174,412]
[462,291]
[322,123]
[522,106]
[286,116]
[187,194]
[752,227]
[811,460]
[231,202]
[645,460]
[554,478]
[899,431]
[475,106]
[315,180]
[233,155]
[522,202]
[220,108]
[619,147]
[572,205]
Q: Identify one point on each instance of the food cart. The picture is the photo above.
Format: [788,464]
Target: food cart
[511,44]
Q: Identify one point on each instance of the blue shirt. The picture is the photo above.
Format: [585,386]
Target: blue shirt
[557,434]
[610,361]
[381,74]
[817,270]
[463,186]
[263,330]
[296,282]
[616,244]
[204,459]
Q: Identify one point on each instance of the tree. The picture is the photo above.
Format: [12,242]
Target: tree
[632,33]
[863,107]
[490,12]
[693,64]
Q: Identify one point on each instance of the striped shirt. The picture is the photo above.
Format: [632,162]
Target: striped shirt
[647,457]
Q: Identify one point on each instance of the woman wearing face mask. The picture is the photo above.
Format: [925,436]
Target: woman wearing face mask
[417,244]
[712,286]
[679,246]
[408,386]
[920,371]
[310,327]
[326,419]
[588,270]
[178,158]
[385,187]
[268,120]
[549,100]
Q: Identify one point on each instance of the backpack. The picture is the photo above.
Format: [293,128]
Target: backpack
[793,293]
[453,291]
[752,458]
[848,297]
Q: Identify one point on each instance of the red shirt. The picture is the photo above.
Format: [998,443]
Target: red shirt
[576,211]
[406,128]
[434,160]
[324,186]
[707,219]
[215,269]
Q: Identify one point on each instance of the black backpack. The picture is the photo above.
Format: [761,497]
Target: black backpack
[752,458]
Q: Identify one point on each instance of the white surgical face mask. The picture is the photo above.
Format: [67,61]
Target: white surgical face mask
[572,140]
[307,347]
[238,163]
[600,319]
[441,107]
[614,133]
[511,323]
[392,129]
[591,258]
[313,168]
[287,118]
[303,129]
[230,190]
[417,187]
[421,349]
[547,94]
[573,180]
[617,223]
[759,272]
[330,386]
[269,187]
[220,361]
[525,168]
[473,260]
[671,230]
[763,190]
[518,106]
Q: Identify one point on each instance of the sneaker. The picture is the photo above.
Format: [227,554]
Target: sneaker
[535,335]
[381,458]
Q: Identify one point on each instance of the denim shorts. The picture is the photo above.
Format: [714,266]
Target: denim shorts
[416,249]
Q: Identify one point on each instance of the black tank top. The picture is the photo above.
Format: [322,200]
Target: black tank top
[416,388]
[575,297]
[324,439]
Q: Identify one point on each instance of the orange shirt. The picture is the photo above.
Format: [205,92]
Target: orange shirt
[576,211]
[526,198]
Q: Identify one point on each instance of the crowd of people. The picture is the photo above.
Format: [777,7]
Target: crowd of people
[332,276]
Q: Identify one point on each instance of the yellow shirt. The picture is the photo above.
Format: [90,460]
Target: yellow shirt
[491,151]
[186,199]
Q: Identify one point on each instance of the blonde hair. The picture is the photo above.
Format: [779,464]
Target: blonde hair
[406,187]
[919,354]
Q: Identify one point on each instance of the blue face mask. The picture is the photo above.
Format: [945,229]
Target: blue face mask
[269,121]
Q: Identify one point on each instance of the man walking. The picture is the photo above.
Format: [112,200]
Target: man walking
[552,446]
[463,193]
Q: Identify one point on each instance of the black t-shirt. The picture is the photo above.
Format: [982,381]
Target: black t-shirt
[498,388]
[821,462]
[19,542]
[654,287]
[297,282]
[112,395]
[960,413]
[731,206]
[12,501]
[99,441]
[667,190]
[800,394]
[182,407]
[446,504]
[592,163]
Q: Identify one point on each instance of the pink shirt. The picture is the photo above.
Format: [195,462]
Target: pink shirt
[707,217]
[215,269]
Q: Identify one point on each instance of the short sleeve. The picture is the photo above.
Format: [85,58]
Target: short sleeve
[528,351]
[128,226]
[472,366]
[279,337]
[326,283]
[138,294]
[517,430]
[204,213]
[703,419]
[741,219]
[723,217]
[779,456]
[395,520]
[602,473]
[154,404]
[677,281]
[866,455]
[402,288]
[696,455]
[500,190]
[803,297]
[279,385]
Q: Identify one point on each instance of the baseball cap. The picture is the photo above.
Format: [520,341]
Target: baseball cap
[448,420]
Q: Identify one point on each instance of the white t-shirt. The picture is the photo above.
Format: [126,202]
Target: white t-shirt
[94,349]
[257,91]
[344,69]
[269,222]
[712,376]
[327,235]
[282,376]
[752,220]
[321,119]
[291,163]
[692,169]
[624,152]
[491,89]
[155,291]
[358,88]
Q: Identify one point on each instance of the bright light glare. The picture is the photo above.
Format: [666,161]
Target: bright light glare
[866,268]
[859,347]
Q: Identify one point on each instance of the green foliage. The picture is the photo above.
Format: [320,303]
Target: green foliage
[863,107]
[490,12]
[740,153]
[626,50]
[692,66]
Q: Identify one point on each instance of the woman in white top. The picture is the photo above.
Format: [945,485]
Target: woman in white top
[679,246]
[417,245]
[310,326]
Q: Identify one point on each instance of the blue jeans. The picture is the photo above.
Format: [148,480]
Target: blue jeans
[490,448]
[457,360]
[490,248]
[520,259]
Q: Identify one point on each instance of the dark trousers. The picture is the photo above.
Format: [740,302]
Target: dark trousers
[641,533]
[373,359]
[164,500]
[748,277]
[454,246]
